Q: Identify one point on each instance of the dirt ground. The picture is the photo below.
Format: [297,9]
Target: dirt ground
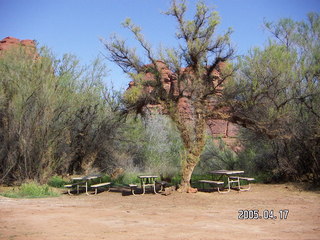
[203,215]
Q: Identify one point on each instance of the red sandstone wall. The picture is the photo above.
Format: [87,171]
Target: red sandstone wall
[218,128]
[10,42]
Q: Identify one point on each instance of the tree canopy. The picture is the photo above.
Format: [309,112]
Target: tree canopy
[195,75]
[276,93]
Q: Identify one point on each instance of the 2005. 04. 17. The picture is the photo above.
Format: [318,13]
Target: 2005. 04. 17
[266,214]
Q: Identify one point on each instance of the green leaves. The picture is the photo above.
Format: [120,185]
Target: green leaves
[277,94]
[189,73]
[55,115]
[133,95]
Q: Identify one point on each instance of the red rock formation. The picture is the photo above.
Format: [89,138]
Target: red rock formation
[219,128]
[9,42]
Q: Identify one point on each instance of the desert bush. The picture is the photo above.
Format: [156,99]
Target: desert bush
[56,181]
[257,157]
[56,116]
[217,155]
[31,190]
[163,146]
[148,145]
[128,177]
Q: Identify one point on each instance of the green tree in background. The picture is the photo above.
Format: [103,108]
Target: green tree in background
[276,94]
[55,116]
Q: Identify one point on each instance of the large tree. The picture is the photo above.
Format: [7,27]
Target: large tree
[276,94]
[195,76]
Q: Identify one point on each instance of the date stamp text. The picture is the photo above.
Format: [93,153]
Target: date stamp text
[266,214]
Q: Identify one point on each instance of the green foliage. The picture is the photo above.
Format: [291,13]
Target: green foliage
[176,180]
[217,155]
[133,95]
[128,178]
[276,94]
[103,178]
[57,182]
[257,158]
[31,190]
[163,146]
[151,145]
[56,116]
[193,64]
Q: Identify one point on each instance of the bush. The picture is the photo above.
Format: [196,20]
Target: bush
[56,116]
[128,178]
[163,146]
[217,156]
[31,190]
[102,179]
[150,145]
[176,180]
[56,182]
[257,158]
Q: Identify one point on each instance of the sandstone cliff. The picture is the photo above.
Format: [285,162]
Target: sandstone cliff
[9,42]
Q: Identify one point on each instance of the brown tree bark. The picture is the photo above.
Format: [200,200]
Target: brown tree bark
[190,162]
[194,142]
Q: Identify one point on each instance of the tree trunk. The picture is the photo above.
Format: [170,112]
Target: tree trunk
[187,169]
[192,132]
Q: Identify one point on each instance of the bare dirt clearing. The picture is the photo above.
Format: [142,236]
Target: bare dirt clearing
[109,215]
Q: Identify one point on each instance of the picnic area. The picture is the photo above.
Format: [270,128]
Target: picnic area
[203,215]
[148,120]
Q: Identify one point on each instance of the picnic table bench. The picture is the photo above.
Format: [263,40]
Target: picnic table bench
[133,187]
[74,185]
[96,186]
[237,180]
[210,182]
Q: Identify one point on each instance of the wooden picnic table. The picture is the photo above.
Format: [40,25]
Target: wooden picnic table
[148,181]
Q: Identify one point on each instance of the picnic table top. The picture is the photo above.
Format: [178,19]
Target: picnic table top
[226,172]
[147,176]
[88,177]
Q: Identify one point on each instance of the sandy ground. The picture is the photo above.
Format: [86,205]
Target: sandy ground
[203,215]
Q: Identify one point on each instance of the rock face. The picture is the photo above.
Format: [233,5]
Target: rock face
[218,128]
[9,42]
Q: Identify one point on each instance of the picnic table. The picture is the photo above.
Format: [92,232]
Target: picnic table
[78,182]
[148,181]
[233,179]
[230,179]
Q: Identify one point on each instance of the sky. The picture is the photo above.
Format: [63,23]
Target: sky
[76,26]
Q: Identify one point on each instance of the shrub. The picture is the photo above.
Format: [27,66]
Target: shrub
[217,156]
[176,179]
[128,178]
[102,179]
[62,118]
[56,182]
[163,147]
[31,190]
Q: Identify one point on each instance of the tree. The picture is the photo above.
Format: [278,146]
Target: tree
[276,94]
[56,117]
[196,76]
